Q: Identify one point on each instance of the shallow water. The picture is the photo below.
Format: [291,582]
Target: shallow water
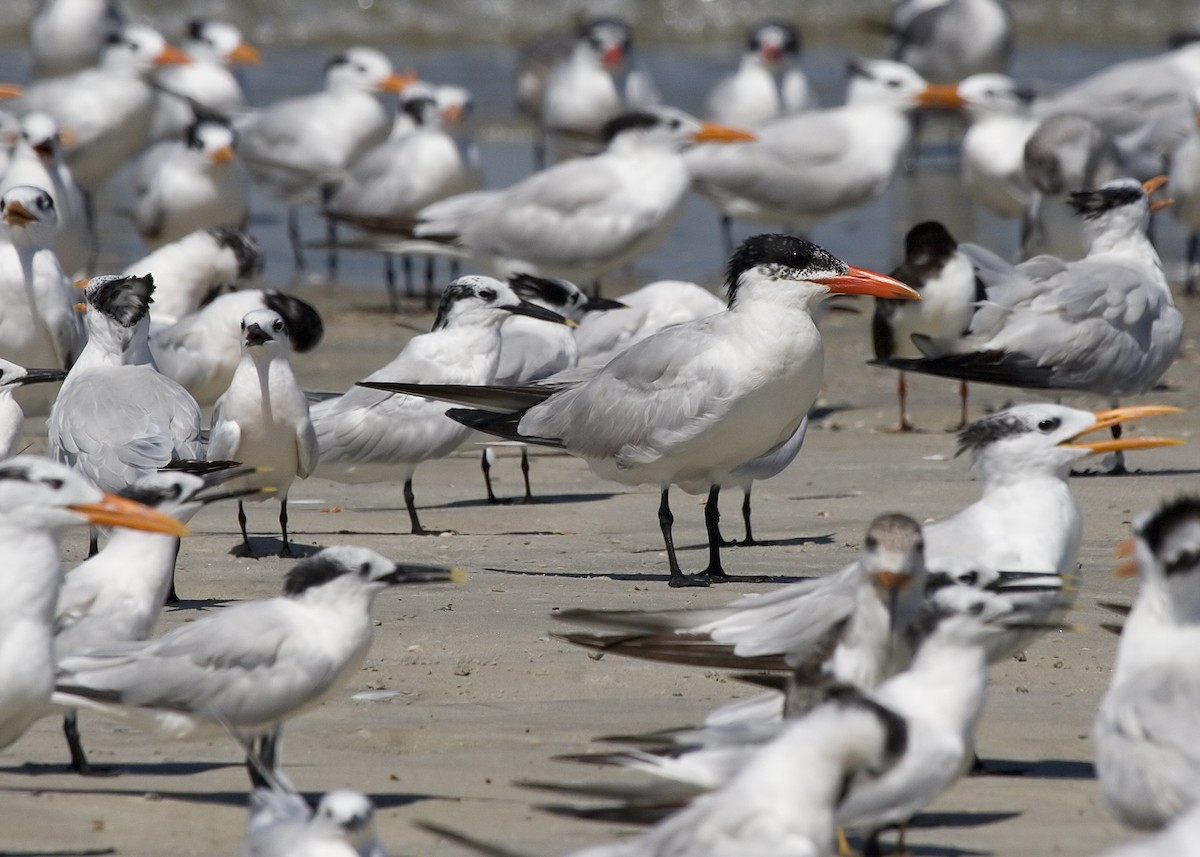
[684,69]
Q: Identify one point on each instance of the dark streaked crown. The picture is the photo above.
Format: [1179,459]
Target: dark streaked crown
[126,300]
[778,251]
[1156,531]
[1091,204]
[304,324]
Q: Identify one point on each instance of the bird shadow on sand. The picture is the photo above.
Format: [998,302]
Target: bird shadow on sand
[60,852]
[642,577]
[536,500]
[827,539]
[228,798]
[138,769]
[269,548]
[961,819]
[1042,769]
[200,604]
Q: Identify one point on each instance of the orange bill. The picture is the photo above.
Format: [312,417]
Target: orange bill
[941,95]
[1116,416]
[891,581]
[245,54]
[171,55]
[860,281]
[11,90]
[223,155]
[114,511]
[396,82]
[16,214]
[710,132]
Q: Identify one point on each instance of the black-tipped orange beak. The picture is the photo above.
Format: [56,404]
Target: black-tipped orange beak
[710,132]
[246,54]
[1116,416]
[114,511]
[16,214]
[860,281]
[941,95]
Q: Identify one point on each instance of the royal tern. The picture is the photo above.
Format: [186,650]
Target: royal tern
[531,351]
[283,825]
[948,40]
[206,85]
[1065,154]
[767,83]
[108,108]
[37,161]
[250,666]
[296,146]
[368,436]
[593,84]
[193,271]
[262,420]
[66,36]
[577,219]
[690,404]
[12,417]
[116,595]
[189,184]
[428,159]
[783,800]
[603,336]
[993,148]
[37,324]
[1145,758]
[813,165]
[950,290]
[1105,324]
[202,350]
[116,417]
[38,499]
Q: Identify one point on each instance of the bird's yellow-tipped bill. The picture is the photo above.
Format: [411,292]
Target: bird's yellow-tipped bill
[1116,416]
[115,511]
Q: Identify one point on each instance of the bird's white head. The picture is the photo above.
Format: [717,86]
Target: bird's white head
[348,814]
[1166,543]
[786,270]
[40,133]
[991,94]
[775,41]
[363,69]
[480,301]
[607,41]
[1047,439]
[1116,210]
[344,570]
[218,42]
[893,554]
[139,49]
[212,140]
[29,214]
[886,82]
[264,334]
[561,296]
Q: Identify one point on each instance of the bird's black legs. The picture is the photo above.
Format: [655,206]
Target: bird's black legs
[262,758]
[79,759]
[172,595]
[962,399]
[902,396]
[712,525]
[293,220]
[1193,260]
[727,234]
[525,473]
[389,277]
[665,521]
[287,551]
[331,257]
[749,540]
[485,465]
[93,542]
[410,504]
[245,536]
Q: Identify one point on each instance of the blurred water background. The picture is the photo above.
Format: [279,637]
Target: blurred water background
[686,44]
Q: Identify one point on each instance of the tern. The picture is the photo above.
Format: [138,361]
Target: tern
[38,499]
[12,417]
[690,404]
[107,108]
[1145,761]
[263,420]
[193,183]
[368,436]
[1105,324]
[202,350]
[116,417]
[811,166]
[116,595]
[950,290]
[948,40]
[66,36]
[767,83]
[283,825]
[250,666]
[993,149]
[577,219]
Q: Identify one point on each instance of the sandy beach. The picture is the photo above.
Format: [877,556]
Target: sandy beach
[478,692]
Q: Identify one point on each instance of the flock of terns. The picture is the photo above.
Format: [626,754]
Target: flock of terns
[874,676]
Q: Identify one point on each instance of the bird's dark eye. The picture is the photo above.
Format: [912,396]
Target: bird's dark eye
[1049,425]
[243,325]
[43,202]
[278,325]
[871,543]
[362,69]
[488,295]
[365,569]
[893,84]
[54,484]
[673,124]
[969,578]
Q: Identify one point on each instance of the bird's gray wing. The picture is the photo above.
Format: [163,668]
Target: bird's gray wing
[224,437]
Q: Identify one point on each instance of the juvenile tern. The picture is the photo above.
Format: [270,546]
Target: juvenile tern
[202,350]
[262,420]
[577,219]
[808,167]
[283,825]
[369,436]
[950,290]
[107,108]
[250,666]
[37,161]
[12,417]
[191,272]
[116,595]
[116,417]
[38,499]
[691,403]
[767,83]
[1146,760]
[1105,324]
[189,184]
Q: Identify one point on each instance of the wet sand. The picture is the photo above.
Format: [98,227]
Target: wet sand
[483,695]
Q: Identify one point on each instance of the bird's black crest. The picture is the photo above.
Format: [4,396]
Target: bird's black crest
[416,105]
[126,300]
[195,29]
[628,122]
[304,324]
[455,292]
[150,495]
[192,135]
[247,250]
[984,432]
[530,287]
[1158,528]
[791,36]
[928,242]
[337,59]
[313,571]
[1090,204]
[779,251]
